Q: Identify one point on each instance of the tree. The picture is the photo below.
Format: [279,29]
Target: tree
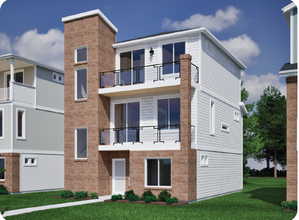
[271,123]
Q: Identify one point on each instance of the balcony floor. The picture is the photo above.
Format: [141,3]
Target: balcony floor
[140,147]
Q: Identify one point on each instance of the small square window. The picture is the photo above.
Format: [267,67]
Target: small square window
[224,127]
[30,161]
[236,116]
[204,160]
[81,55]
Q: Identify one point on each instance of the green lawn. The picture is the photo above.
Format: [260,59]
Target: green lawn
[259,200]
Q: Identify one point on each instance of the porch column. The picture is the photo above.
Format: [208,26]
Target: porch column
[12,77]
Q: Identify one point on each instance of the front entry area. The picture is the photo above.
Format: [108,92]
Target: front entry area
[118,176]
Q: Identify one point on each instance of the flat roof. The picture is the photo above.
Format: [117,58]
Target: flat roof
[88,14]
[288,7]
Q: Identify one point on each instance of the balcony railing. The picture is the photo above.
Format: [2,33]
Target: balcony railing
[4,94]
[142,134]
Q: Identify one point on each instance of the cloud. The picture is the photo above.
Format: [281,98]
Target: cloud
[2,2]
[46,48]
[255,85]
[221,20]
[242,47]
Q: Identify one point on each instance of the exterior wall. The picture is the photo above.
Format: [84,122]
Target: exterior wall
[6,141]
[12,172]
[28,76]
[293,34]
[47,174]
[291,138]
[49,93]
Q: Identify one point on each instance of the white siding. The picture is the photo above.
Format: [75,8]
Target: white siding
[222,175]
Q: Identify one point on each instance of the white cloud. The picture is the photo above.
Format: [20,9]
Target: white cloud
[46,48]
[242,47]
[255,85]
[2,2]
[221,20]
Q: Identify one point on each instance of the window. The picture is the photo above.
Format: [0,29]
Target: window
[57,78]
[81,143]
[171,57]
[224,127]
[19,77]
[21,117]
[204,160]
[169,113]
[158,172]
[1,123]
[2,169]
[81,84]
[81,55]
[30,161]
[236,116]
[212,117]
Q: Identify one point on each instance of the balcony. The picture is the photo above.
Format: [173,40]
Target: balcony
[144,79]
[18,92]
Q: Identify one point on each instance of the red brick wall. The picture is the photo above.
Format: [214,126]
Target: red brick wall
[12,173]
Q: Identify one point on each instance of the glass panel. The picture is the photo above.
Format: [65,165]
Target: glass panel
[81,83]
[20,123]
[152,172]
[82,54]
[1,123]
[19,77]
[125,66]
[179,49]
[82,143]
[163,113]
[7,80]
[138,64]
[120,123]
[133,121]
[165,172]
[174,115]
[167,59]
[2,166]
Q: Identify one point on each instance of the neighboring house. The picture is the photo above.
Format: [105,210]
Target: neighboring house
[151,113]
[256,164]
[31,125]
[289,70]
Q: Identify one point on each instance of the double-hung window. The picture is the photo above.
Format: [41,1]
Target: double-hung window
[81,55]
[171,57]
[81,143]
[21,124]
[158,172]
[169,113]
[81,84]
[2,169]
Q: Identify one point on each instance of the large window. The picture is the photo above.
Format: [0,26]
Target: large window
[212,117]
[169,113]
[2,169]
[81,55]
[171,57]
[81,84]
[158,172]
[81,143]
[1,123]
[21,120]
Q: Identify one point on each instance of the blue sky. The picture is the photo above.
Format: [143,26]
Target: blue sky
[256,30]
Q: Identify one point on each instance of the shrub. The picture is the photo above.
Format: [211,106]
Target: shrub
[164,195]
[131,196]
[80,195]
[3,190]
[66,194]
[116,197]
[128,193]
[289,205]
[267,172]
[171,200]
[150,198]
[147,193]
[94,195]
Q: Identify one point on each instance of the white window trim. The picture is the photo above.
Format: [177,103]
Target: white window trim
[145,172]
[3,125]
[57,75]
[75,144]
[212,118]
[206,162]
[15,71]
[4,167]
[75,55]
[23,137]
[236,119]
[75,85]
[173,58]
[225,130]
[30,165]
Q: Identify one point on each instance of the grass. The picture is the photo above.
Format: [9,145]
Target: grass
[259,200]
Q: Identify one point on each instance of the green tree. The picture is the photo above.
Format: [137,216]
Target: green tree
[271,123]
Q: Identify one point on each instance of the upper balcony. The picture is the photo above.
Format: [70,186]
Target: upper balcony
[143,79]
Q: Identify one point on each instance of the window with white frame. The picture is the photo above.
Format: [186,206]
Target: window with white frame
[57,77]
[81,84]
[81,55]
[236,116]
[224,127]
[212,117]
[171,57]
[158,172]
[203,160]
[30,161]
[169,113]
[81,143]
[21,124]
[2,168]
[1,123]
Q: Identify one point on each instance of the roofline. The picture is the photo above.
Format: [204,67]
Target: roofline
[288,7]
[182,33]
[288,73]
[13,56]
[88,14]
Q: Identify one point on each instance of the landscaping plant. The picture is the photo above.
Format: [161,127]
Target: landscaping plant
[66,194]
[94,195]
[171,200]
[289,205]
[3,190]
[147,193]
[164,195]
[116,197]
[149,198]
[81,195]
[131,196]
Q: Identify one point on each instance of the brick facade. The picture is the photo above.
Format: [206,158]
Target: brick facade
[291,138]
[12,171]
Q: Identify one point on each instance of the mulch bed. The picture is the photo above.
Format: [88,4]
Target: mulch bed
[179,203]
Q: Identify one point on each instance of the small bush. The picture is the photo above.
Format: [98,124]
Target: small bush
[164,195]
[147,193]
[289,205]
[116,197]
[66,194]
[129,193]
[80,195]
[3,190]
[133,198]
[94,195]
[171,200]
[149,198]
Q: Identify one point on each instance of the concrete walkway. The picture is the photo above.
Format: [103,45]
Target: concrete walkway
[55,206]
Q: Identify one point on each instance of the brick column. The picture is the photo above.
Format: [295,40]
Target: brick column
[12,173]
[291,138]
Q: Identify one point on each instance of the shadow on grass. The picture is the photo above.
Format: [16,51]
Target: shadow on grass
[273,195]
